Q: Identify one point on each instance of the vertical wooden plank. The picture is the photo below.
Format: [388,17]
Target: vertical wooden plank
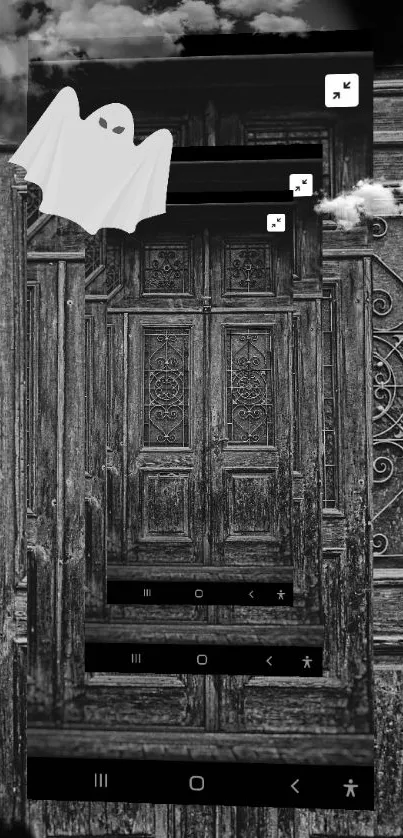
[308,241]
[57,560]
[73,566]
[389,750]
[355,631]
[12,492]
[129,391]
[210,122]
[310,534]
[41,558]
[95,501]
[115,473]
[60,477]
[124,434]
[353,148]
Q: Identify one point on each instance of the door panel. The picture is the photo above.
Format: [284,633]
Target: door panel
[165,440]
[187,378]
[158,439]
[201,363]
[251,414]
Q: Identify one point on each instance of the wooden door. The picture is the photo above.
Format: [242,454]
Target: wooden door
[250,396]
[191,481]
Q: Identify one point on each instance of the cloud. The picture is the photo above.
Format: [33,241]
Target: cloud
[282,25]
[102,28]
[267,16]
[366,200]
[113,29]
[249,8]
[189,16]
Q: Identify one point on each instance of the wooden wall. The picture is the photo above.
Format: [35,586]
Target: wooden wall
[12,495]
[49,818]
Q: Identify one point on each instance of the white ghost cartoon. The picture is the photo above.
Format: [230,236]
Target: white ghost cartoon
[89,169]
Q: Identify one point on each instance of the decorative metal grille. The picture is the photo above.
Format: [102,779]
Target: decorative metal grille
[250,408]
[34,199]
[109,382]
[166,268]
[31,384]
[387,413]
[88,391]
[247,268]
[166,387]
[295,393]
[94,252]
[330,403]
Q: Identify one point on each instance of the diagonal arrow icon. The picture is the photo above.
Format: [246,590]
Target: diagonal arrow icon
[305,181]
[293,786]
[336,94]
[298,189]
[346,85]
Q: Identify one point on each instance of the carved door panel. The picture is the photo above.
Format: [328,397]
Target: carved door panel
[250,396]
[251,478]
[199,408]
[165,439]
[155,403]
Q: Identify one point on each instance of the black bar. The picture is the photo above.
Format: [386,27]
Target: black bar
[212,154]
[246,197]
[204,658]
[362,40]
[149,592]
[225,783]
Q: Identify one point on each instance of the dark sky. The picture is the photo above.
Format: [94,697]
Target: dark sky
[333,14]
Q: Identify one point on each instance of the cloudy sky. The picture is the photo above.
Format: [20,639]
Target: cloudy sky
[56,29]
[63,22]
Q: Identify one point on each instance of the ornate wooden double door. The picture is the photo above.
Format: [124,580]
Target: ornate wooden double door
[200,399]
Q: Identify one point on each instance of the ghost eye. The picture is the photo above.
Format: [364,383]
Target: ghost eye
[103,123]
[118,130]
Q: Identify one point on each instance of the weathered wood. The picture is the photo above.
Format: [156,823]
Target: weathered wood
[73,557]
[322,706]
[233,635]
[96,427]
[274,748]
[12,495]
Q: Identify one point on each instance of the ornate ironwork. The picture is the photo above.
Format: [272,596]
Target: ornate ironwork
[330,407]
[250,408]
[388,412]
[166,387]
[166,268]
[379,227]
[247,268]
[34,198]
[94,251]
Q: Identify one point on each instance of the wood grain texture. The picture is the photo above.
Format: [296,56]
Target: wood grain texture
[350,158]
[122,743]
[12,493]
[96,482]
